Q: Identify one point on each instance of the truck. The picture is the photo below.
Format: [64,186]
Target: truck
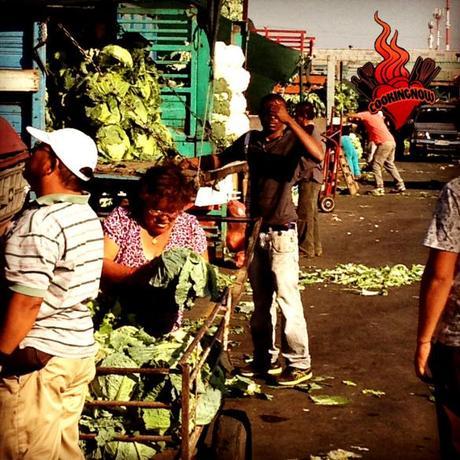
[175,30]
[181,37]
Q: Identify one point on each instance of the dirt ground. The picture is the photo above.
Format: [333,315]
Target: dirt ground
[368,340]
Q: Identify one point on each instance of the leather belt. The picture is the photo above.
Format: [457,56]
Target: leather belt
[278,227]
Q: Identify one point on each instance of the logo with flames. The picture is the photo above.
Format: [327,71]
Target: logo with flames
[389,86]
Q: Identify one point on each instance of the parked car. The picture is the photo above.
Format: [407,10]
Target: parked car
[436,130]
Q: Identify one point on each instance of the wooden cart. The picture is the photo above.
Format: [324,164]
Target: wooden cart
[231,432]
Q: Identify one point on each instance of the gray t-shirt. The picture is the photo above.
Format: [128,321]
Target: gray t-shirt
[311,169]
[444,234]
[273,169]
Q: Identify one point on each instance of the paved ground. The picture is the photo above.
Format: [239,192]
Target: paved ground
[368,340]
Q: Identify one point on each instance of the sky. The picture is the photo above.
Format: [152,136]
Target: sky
[344,23]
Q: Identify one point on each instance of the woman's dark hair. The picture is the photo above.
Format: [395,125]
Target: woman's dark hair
[306,108]
[166,181]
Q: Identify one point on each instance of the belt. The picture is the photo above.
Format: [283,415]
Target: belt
[278,227]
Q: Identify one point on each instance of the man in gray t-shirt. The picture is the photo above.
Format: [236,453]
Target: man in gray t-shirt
[438,337]
[273,157]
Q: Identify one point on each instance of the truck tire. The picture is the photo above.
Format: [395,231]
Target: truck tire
[230,439]
[417,154]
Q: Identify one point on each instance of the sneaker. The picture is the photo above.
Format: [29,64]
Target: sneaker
[254,371]
[398,189]
[377,192]
[306,253]
[292,376]
[275,368]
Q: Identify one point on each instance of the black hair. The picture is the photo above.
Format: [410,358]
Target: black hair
[363,105]
[307,108]
[346,130]
[272,97]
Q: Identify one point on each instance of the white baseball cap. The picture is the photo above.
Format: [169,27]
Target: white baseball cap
[73,147]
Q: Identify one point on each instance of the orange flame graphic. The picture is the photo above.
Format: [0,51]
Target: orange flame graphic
[394,57]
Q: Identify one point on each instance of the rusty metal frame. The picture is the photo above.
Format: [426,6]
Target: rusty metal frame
[188,437]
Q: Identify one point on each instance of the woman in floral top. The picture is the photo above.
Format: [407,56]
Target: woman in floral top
[154,222]
[437,356]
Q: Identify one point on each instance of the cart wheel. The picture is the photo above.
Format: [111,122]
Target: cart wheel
[230,439]
[327,204]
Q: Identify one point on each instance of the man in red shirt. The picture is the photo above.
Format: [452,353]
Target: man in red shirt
[384,156]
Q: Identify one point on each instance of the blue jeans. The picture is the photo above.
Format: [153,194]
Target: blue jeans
[352,160]
[274,278]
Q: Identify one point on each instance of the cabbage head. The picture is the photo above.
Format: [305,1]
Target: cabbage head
[113,142]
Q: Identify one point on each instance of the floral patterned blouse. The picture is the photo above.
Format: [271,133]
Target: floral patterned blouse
[444,234]
[124,230]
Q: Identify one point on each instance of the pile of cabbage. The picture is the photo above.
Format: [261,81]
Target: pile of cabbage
[132,347]
[112,94]
[124,342]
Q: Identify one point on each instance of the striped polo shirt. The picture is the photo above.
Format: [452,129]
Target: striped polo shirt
[55,251]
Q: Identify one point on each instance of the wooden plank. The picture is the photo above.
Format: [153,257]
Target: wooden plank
[19,80]
[352,185]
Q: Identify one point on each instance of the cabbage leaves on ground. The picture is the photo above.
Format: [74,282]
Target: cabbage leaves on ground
[363,279]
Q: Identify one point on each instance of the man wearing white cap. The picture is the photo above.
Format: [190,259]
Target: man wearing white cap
[53,262]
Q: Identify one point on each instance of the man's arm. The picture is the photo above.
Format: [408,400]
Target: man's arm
[20,315]
[434,291]
[311,144]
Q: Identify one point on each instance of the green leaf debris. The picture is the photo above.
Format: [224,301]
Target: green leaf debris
[363,279]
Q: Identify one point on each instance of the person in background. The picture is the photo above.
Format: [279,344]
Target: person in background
[438,337]
[350,152]
[53,262]
[273,157]
[154,222]
[311,178]
[384,156]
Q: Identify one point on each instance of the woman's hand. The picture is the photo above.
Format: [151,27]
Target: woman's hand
[422,352]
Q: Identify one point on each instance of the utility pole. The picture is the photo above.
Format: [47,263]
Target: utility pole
[437,15]
[430,35]
[447,26]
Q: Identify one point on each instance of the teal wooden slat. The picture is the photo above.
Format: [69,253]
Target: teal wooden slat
[39,98]
[172,29]
[11,48]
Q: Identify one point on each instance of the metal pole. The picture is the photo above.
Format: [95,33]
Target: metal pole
[447,26]
[185,431]
[245,9]
[330,85]
[437,16]
[300,79]
[430,36]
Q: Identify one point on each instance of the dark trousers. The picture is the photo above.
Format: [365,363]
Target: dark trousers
[444,363]
[307,212]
